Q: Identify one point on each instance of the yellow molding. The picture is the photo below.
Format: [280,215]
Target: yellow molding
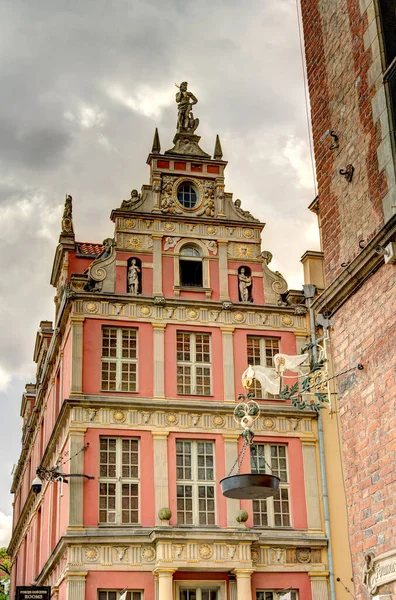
[321,574]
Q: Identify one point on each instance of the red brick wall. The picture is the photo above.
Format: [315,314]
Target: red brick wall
[337,68]
[365,331]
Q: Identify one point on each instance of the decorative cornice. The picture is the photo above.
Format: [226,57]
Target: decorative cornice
[356,273]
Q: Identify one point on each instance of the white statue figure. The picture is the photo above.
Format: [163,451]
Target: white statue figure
[245,282]
[133,278]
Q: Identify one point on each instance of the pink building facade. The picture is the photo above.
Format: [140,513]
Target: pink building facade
[137,381]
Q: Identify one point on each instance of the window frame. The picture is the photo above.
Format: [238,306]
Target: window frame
[264,360]
[219,586]
[192,258]
[118,480]
[275,594]
[283,485]
[195,483]
[118,594]
[193,364]
[119,360]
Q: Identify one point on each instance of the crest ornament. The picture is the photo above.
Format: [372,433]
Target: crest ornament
[119,416]
[148,553]
[91,553]
[171,419]
[248,233]
[130,223]
[218,421]
[145,311]
[205,551]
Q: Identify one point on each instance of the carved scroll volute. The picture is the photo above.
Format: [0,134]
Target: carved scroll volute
[274,283]
[103,268]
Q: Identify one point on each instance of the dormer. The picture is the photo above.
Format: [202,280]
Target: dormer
[43,340]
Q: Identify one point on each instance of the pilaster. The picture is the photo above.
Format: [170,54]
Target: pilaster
[231,453]
[157,262]
[160,443]
[244,584]
[319,585]
[311,485]
[232,586]
[76,484]
[165,583]
[75,585]
[228,363]
[159,360]
[223,270]
[77,355]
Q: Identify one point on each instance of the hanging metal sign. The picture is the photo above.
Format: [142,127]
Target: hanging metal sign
[33,593]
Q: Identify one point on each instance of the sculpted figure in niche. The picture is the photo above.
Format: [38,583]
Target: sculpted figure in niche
[368,568]
[245,285]
[185,118]
[132,201]
[133,278]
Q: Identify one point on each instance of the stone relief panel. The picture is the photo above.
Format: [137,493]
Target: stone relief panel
[134,242]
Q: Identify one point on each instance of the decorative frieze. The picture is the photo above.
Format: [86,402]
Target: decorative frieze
[199,314]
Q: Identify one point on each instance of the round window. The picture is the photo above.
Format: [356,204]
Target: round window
[186,195]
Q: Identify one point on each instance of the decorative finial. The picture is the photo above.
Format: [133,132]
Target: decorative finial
[67,219]
[185,118]
[218,152]
[156,149]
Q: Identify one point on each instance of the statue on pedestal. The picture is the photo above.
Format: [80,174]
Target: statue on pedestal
[185,118]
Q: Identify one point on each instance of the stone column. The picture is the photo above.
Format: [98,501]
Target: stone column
[76,484]
[165,583]
[311,485]
[77,355]
[231,453]
[228,363]
[319,585]
[159,360]
[161,490]
[223,270]
[244,585]
[75,585]
[157,264]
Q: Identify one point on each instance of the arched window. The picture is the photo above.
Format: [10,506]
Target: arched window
[187,195]
[190,264]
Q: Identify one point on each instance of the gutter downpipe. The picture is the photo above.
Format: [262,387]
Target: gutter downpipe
[309,296]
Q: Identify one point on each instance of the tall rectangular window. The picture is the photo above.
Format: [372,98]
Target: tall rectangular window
[119,359]
[119,481]
[260,351]
[193,363]
[195,483]
[198,593]
[274,511]
[115,595]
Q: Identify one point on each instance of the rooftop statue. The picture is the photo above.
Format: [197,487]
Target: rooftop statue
[185,118]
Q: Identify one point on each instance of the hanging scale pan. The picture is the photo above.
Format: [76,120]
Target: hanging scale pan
[249,486]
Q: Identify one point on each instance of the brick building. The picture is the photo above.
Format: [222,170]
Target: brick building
[350,48]
[136,387]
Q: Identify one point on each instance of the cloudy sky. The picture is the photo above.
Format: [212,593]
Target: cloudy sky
[84,84]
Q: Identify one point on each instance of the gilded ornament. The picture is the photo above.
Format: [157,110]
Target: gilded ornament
[243,251]
[303,555]
[78,286]
[91,553]
[255,555]
[192,314]
[239,317]
[269,424]
[171,419]
[134,241]
[119,416]
[248,233]
[170,226]
[130,223]
[145,311]
[286,321]
[92,307]
[148,553]
[205,551]
[319,381]
[218,421]
[211,230]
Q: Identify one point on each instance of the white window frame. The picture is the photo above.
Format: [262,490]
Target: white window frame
[282,485]
[118,480]
[118,593]
[118,360]
[277,596]
[193,364]
[219,586]
[195,483]
[263,358]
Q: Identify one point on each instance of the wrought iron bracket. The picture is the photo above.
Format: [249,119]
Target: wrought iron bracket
[347,172]
[335,143]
